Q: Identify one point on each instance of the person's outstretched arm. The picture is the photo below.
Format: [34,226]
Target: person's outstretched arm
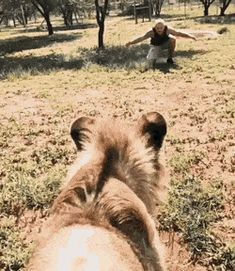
[181,34]
[140,39]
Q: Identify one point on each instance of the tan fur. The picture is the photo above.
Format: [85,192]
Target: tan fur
[108,196]
[84,248]
[127,156]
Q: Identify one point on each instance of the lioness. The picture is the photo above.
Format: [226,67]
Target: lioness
[101,220]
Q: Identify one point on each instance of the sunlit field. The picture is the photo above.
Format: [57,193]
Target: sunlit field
[45,82]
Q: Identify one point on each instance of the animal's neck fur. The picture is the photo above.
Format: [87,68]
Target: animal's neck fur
[130,163]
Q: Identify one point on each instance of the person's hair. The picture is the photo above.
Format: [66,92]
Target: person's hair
[160,21]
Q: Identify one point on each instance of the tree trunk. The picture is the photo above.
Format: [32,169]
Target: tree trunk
[23,15]
[76,17]
[49,25]
[66,21]
[62,10]
[224,6]
[150,10]
[206,10]
[14,21]
[100,17]
[67,14]
[206,4]
[71,18]
[101,35]
[1,19]
[45,12]
[222,11]
[26,14]
[158,7]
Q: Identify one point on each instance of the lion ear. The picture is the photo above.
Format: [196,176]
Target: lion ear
[81,130]
[154,127]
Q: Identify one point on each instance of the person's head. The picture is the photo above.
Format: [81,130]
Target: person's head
[159,26]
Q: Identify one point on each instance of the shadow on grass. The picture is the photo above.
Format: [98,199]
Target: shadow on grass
[212,19]
[175,17]
[75,27]
[18,44]
[166,17]
[43,29]
[190,53]
[215,19]
[116,57]
[122,57]
[36,64]
[166,68]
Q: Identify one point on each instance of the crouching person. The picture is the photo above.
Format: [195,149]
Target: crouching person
[161,38]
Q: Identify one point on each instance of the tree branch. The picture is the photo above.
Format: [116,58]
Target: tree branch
[38,7]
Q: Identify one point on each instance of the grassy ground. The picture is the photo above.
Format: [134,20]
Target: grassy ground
[47,81]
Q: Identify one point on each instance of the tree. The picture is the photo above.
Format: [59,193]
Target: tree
[24,11]
[87,7]
[45,7]
[224,4]
[15,9]
[206,4]
[157,4]
[101,11]
[67,8]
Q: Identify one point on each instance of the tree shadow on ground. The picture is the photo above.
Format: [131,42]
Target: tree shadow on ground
[153,17]
[211,19]
[166,17]
[22,43]
[74,27]
[175,17]
[41,28]
[36,64]
[215,19]
[115,57]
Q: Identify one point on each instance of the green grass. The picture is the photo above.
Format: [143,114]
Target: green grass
[14,248]
[22,189]
[183,162]
[192,211]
